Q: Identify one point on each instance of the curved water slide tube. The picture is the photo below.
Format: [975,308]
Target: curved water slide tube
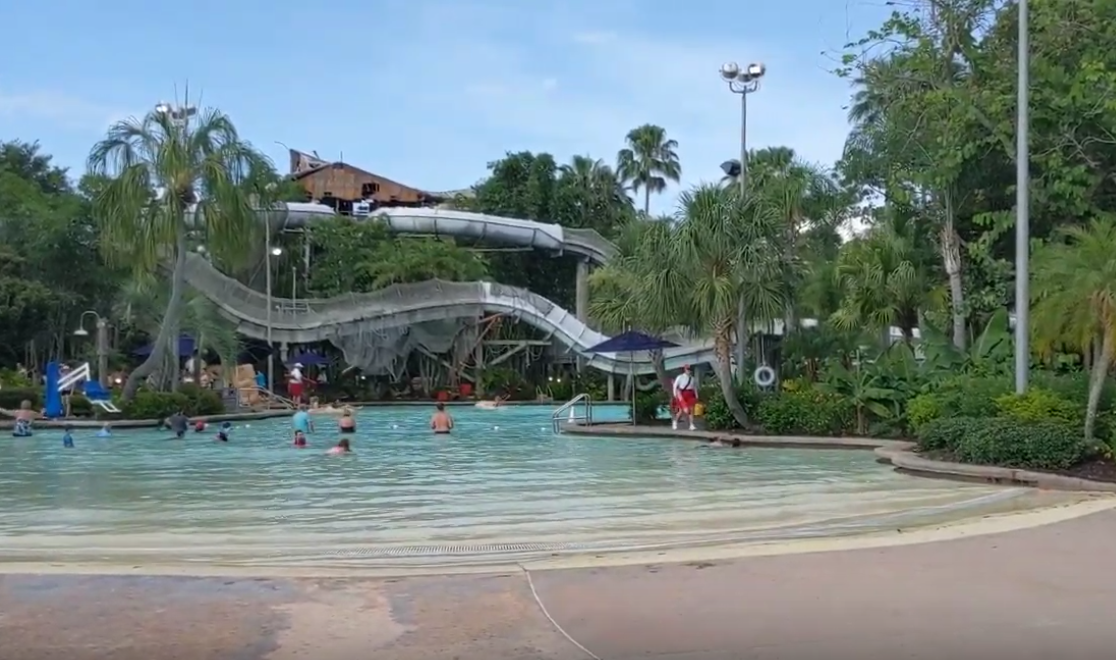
[309,320]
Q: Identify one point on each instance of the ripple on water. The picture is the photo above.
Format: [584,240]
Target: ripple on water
[139,493]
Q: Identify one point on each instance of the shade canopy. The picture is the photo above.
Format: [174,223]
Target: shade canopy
[186,347]
[631,341]
[309,360]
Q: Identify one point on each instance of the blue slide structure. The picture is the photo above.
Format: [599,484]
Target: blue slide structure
[56,384]
[52,397]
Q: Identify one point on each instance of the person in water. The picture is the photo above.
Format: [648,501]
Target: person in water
[341,448]
[494,403]
[223,433]
[300,439]
[300,421]
[440,421]
[106,431]
[178,423]
[23,419]
[347,424]
[199,425]
[67,438]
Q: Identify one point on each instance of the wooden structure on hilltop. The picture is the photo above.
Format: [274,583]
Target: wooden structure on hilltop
[351,190]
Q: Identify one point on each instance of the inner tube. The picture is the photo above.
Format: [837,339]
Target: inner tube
[17,434]
[764,376]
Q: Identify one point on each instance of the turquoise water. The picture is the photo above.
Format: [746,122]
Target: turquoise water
[502,480]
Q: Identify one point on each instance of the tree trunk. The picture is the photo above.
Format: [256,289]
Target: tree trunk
[951,259]
[170,320]
[647,202]
[659,362]
[722,346]
[1096,384]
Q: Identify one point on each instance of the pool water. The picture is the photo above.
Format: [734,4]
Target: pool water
[502,483]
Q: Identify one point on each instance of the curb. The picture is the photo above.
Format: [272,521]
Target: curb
[897,453]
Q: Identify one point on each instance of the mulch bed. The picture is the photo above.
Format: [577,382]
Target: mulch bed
[1095,469]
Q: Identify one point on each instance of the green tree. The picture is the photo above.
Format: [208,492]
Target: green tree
[1074,299]
[649,162]
[169,176]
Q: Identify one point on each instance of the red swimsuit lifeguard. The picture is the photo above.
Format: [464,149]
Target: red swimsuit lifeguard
[685,395]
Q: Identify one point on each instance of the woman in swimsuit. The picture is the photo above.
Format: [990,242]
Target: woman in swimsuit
[441,423]
[341,448]
[347,424]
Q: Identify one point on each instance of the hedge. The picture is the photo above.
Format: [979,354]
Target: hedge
[1006,442]
[191,399]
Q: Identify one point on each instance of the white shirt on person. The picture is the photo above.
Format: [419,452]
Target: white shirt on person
[684,382]
[296,375]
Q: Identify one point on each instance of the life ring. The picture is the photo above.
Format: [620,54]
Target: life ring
[764,376]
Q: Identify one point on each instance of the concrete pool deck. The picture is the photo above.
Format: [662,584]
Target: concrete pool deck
[1032,593]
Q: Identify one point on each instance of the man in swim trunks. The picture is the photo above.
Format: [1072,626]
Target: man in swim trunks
[178,423]
[300,421]
[440,421]
[685,397]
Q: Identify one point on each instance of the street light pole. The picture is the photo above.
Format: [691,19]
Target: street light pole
[1022,208]
[743,82]
[101,345]
[270,252]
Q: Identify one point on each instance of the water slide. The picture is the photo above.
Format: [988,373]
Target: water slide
[378,313]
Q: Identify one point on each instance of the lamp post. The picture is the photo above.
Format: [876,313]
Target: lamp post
[743,82]
[102,342]
[179,114]
[1022,208]
[271,252]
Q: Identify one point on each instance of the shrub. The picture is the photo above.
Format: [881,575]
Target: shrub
[191,399]
[923,409]
[1039,405]
[201,401]
[1074,387]
[1014,443]
[12,397]
[648,405]
[945,433]
[806,412]
[718,417]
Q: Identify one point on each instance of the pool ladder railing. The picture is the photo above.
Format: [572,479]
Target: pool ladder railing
[568,412]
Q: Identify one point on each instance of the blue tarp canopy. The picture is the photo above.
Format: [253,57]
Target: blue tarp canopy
[631,341]
[309,360]
[185,347]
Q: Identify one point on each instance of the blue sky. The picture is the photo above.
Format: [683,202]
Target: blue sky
[427,92]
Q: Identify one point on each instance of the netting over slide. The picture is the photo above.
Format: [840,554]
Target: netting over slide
[375,331]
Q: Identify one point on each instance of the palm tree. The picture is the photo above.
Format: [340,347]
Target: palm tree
[1074,299]
[727,260]
[885,280]
[636,288]
[142,301]
[649,162]
[170,175]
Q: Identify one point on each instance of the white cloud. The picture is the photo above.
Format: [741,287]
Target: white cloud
[58,108]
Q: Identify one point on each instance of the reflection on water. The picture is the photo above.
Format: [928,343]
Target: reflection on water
[501,478]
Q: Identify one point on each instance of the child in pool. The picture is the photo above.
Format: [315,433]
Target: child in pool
[67,439]
[341,448]
[223,433]
[106,431]
[300,439]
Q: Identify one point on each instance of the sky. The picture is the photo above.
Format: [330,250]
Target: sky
[427,92]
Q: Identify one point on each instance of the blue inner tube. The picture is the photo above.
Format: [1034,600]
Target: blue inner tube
[17,434]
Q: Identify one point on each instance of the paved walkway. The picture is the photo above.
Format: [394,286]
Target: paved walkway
[1039,593]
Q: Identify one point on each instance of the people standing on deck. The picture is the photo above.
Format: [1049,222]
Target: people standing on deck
[440,421]
[67,393]
[295,383]
[685,397]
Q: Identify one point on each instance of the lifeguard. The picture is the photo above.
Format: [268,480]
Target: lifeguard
[294,383]
[685,398]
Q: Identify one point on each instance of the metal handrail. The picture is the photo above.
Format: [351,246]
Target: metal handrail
[556,418]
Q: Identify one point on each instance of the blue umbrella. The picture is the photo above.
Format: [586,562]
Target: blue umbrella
[186,347]
[631,342]
[309,360]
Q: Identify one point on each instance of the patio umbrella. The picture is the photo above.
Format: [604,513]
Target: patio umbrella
[186,347]
[309,360]
[631,342]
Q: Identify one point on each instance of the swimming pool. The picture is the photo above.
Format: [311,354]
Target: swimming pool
[503,484]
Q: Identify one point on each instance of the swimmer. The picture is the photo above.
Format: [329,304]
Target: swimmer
[714,443]
[347,424]
[199,426]
[300,421]
[440,422]
[178,423]
[106,431]
[67,439]
[493,404]
[23,418]
[300,439]
[341,448]
[223,434]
